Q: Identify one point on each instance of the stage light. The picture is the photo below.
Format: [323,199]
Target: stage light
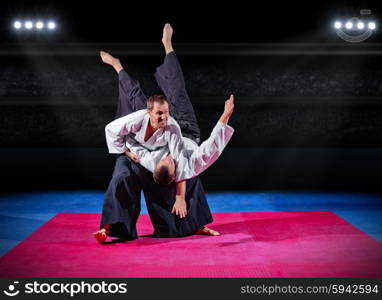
[337,25]
[349,25]
[356,29]
[28,25]
[372,25]
[17,24]
[360,25]
[39,25]
[51,25]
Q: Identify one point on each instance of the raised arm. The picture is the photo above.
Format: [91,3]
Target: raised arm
[191,159]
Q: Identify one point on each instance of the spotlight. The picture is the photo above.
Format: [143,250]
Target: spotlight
[349,25]
[39,25]
[28,25]
[17,24]
[51,25]
[372,25]
[360,25]
[355,29]
[337,25]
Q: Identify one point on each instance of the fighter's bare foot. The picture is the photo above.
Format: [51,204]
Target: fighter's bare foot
[207,231]
[167,38]
[167,33]
[100,235]
[107,58]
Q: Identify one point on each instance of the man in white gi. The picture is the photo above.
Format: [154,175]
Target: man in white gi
[127,133]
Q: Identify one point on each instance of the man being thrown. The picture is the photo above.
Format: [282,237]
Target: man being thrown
[139,135]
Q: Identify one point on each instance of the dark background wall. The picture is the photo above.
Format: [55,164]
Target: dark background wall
[308,105]
[286,101]
[302,122]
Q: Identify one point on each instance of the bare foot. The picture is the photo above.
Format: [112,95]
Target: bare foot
[107,58]
[167,33]
[167,37]
[100,235]
[110,60]
[207,231]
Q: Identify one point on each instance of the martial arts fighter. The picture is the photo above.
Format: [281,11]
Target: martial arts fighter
[178,158]
[129,178]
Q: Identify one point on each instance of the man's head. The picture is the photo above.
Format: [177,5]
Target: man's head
[158,110]
[164,172]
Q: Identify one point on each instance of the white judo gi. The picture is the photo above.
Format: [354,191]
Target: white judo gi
[191,159]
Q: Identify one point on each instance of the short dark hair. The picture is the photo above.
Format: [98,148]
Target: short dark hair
[162,176]
[161,99]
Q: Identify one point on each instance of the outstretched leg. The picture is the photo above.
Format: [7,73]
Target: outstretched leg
[169,77]
[122,199]
[131,97]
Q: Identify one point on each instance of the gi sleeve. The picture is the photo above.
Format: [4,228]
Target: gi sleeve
[117,130]
[192,159]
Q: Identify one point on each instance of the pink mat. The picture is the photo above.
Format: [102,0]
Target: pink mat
[276,244]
